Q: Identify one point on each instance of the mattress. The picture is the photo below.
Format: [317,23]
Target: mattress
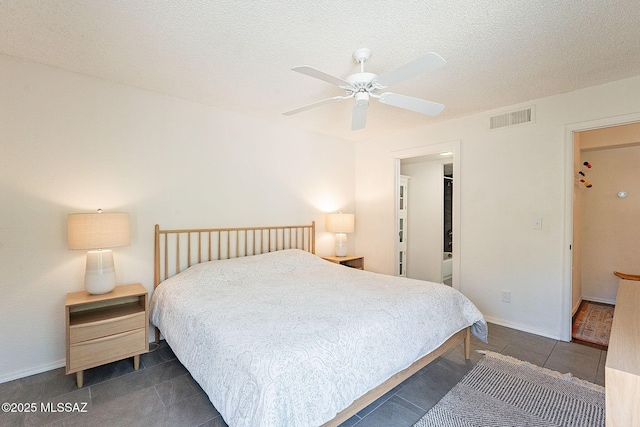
[289,339]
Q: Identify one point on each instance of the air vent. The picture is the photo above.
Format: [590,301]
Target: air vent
[511,118]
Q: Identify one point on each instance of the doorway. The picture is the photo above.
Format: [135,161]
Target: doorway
[435,156]
[573,290]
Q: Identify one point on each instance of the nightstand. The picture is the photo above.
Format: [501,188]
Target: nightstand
[105,328]
[353,261]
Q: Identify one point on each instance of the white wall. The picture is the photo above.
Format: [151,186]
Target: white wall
[424,220]
[507,178]
[70,143]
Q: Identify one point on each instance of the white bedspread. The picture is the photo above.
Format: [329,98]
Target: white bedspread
[289,339]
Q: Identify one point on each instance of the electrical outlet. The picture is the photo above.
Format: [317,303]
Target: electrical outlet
[506,296]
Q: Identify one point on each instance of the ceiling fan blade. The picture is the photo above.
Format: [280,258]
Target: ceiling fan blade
[314,105]
[414,104]
[431,61]
[359,119]
[312,72]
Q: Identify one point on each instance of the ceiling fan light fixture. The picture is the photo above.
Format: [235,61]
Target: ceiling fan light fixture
[362,98]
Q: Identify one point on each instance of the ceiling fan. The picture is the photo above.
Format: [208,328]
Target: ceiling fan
[362,86]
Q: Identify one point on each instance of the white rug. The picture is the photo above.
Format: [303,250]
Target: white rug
[503,391]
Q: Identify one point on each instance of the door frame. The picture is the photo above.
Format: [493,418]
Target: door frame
[429,150]
[569,131]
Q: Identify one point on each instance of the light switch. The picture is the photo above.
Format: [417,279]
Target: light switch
[537,223]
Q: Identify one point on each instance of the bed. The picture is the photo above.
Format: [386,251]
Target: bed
[277,336]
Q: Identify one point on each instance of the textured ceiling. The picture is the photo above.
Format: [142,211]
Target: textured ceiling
[237,54]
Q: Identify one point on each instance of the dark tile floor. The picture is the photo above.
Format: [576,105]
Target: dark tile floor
[162,393]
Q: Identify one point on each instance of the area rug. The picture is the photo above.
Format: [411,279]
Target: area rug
[592,324]
[502,391]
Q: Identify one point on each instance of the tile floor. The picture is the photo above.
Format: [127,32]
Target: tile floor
[162,393]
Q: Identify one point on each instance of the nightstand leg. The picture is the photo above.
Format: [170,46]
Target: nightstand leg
[80,378]
[136,362]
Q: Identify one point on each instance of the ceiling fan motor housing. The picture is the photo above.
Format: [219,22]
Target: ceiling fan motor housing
[361,82]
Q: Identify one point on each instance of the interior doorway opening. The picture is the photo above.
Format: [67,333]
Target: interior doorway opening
[447,230]
[605,237]
[576,145]
[422,251]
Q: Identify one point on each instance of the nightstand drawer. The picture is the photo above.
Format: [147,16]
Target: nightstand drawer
[106,349]
[105,327]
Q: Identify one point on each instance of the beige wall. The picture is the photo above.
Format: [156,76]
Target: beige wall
[610,225]
[610,137]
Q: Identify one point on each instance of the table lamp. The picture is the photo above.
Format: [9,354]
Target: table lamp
[98,232]
[340,224]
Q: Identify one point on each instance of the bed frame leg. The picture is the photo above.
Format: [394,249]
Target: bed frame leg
[467,344]
[157,334]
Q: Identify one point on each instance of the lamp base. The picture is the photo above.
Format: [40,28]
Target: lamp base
[341,245]
[100,275]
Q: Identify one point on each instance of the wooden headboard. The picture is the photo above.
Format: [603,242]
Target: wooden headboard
[177,250]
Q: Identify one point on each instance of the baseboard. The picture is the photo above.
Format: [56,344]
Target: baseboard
[32,371]
[602,300]
[523,328]
[42,368]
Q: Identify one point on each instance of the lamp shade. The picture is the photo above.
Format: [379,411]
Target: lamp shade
[340,223]
[98,230]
